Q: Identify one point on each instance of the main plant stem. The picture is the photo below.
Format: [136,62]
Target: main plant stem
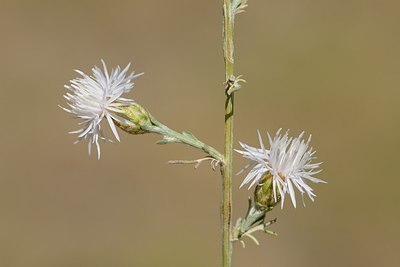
[227,168]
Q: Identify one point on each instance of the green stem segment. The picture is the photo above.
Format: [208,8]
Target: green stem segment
[226,209]
[171,136]
[141,121]
[264,201]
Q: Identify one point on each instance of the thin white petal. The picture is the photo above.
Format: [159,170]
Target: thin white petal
[112,126]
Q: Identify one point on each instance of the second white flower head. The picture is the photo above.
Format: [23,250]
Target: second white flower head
[288,160]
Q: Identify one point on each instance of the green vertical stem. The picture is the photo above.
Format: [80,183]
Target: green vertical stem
[227,169]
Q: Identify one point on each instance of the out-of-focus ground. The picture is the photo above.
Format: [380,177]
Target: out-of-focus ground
[328,67]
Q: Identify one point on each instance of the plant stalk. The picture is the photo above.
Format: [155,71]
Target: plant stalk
[184,138]
[226,210]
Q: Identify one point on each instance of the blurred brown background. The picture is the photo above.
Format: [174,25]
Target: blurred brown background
[327,67]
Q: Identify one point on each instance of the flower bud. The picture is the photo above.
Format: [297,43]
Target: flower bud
[264,193]
[138,119]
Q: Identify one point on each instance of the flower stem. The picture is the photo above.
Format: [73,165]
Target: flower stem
[226,209]
[171,136]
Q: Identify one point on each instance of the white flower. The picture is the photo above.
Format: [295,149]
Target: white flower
[93,98]
[288,161]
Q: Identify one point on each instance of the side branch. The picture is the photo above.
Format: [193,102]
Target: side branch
[187,138]
[213,162]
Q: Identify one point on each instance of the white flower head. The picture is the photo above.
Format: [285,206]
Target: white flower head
[98,96]
[288,160]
